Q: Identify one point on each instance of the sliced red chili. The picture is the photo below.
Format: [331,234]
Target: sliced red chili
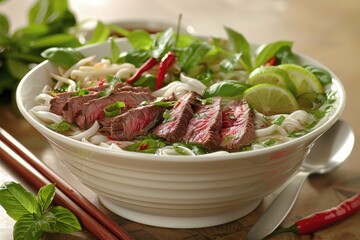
[101,82]
[271,61]
[151,62]
[165,63]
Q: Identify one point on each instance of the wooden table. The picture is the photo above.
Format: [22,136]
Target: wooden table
[327,30]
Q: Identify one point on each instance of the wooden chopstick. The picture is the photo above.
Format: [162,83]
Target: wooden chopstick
[29,166]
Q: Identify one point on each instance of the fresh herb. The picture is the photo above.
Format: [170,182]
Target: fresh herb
[50,24]
[323,75]
[112,80]
[279,120]
[270,142]
[114,109]
[167,116]
[35,215]
[240,46]
[229,64]
[60,127]
[148,144]
[197,149]
[232,117]
[80,92]
[227,88]
[266,51]
[192,55]
[159,102]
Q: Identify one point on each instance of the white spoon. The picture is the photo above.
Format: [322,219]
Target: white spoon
[329,151]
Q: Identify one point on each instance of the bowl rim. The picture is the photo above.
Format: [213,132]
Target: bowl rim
[176,158]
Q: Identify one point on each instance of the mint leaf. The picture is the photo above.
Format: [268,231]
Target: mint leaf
[45,196]
[66,221]
[26,228]
[17,201]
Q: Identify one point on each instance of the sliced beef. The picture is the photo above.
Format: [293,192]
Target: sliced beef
[93,110]
[205,125]
[136,122]
[174,127]
[59,101]
[123,87]
[238,126]
[73,106]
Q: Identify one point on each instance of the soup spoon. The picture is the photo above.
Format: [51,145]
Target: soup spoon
[332,149]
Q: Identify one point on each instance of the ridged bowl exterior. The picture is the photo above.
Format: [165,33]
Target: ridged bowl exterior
[174,191]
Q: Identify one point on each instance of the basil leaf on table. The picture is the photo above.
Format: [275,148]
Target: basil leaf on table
[65,57]
[266,51]
[226,88]
[45,196]
[66,222]
[17,201]
[27,228]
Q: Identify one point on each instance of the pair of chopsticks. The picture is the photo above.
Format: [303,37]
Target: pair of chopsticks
[38,174]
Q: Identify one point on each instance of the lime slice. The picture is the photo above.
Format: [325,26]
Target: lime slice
[270,99]
[271,74]
[304,80]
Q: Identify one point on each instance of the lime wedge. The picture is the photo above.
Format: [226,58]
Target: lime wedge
[271,74]
[304,80]
[270,99]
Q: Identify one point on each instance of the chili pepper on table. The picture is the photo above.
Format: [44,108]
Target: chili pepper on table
[165,63]
[320,220]
[151,62]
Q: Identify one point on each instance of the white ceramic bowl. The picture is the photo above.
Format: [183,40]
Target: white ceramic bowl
[174,191]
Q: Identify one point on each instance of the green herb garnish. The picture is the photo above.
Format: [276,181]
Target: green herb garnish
[114,109]
[35,215]
[60,127]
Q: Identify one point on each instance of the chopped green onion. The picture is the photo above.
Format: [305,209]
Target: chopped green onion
[279,120]
[113,109]
[81,92]
[60,127]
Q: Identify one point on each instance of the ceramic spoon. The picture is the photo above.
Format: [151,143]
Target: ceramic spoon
[329,151]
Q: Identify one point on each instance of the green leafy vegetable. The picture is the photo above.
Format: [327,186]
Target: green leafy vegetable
[114,109]
[148,144]
[140,39]
[227,88]
[35,215]
[192,55]
[240,45]
[323,75]
[266,51]
[65,57]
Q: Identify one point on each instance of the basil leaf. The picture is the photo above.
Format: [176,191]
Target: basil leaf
[285,55]
[240,45]
[226,88]
[43,10]
[192,55]
[266,51]
[118,30]
[30,58]
[323,75]
[17,68]
[59,40]
[47,222]
[147,80]
[140,39]
[30,32]
[66,221]
[136,57]
[45,196]
[65,57]
[115,50]
[17,201]
[27,228]
[228,64]
[163,44]
[184,40]
[4,24]
[100,34]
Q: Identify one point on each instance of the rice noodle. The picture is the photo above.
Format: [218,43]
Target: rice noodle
[87,133]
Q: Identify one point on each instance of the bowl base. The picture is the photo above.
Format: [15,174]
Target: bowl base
[179,221]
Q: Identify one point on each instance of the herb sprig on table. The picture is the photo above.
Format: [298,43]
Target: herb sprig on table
[35,215]
[50,24]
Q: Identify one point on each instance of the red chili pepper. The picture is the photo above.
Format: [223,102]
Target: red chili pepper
[271,61]
[165,63]
[320,220]
[145,67]
[143,146]
[101,82]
